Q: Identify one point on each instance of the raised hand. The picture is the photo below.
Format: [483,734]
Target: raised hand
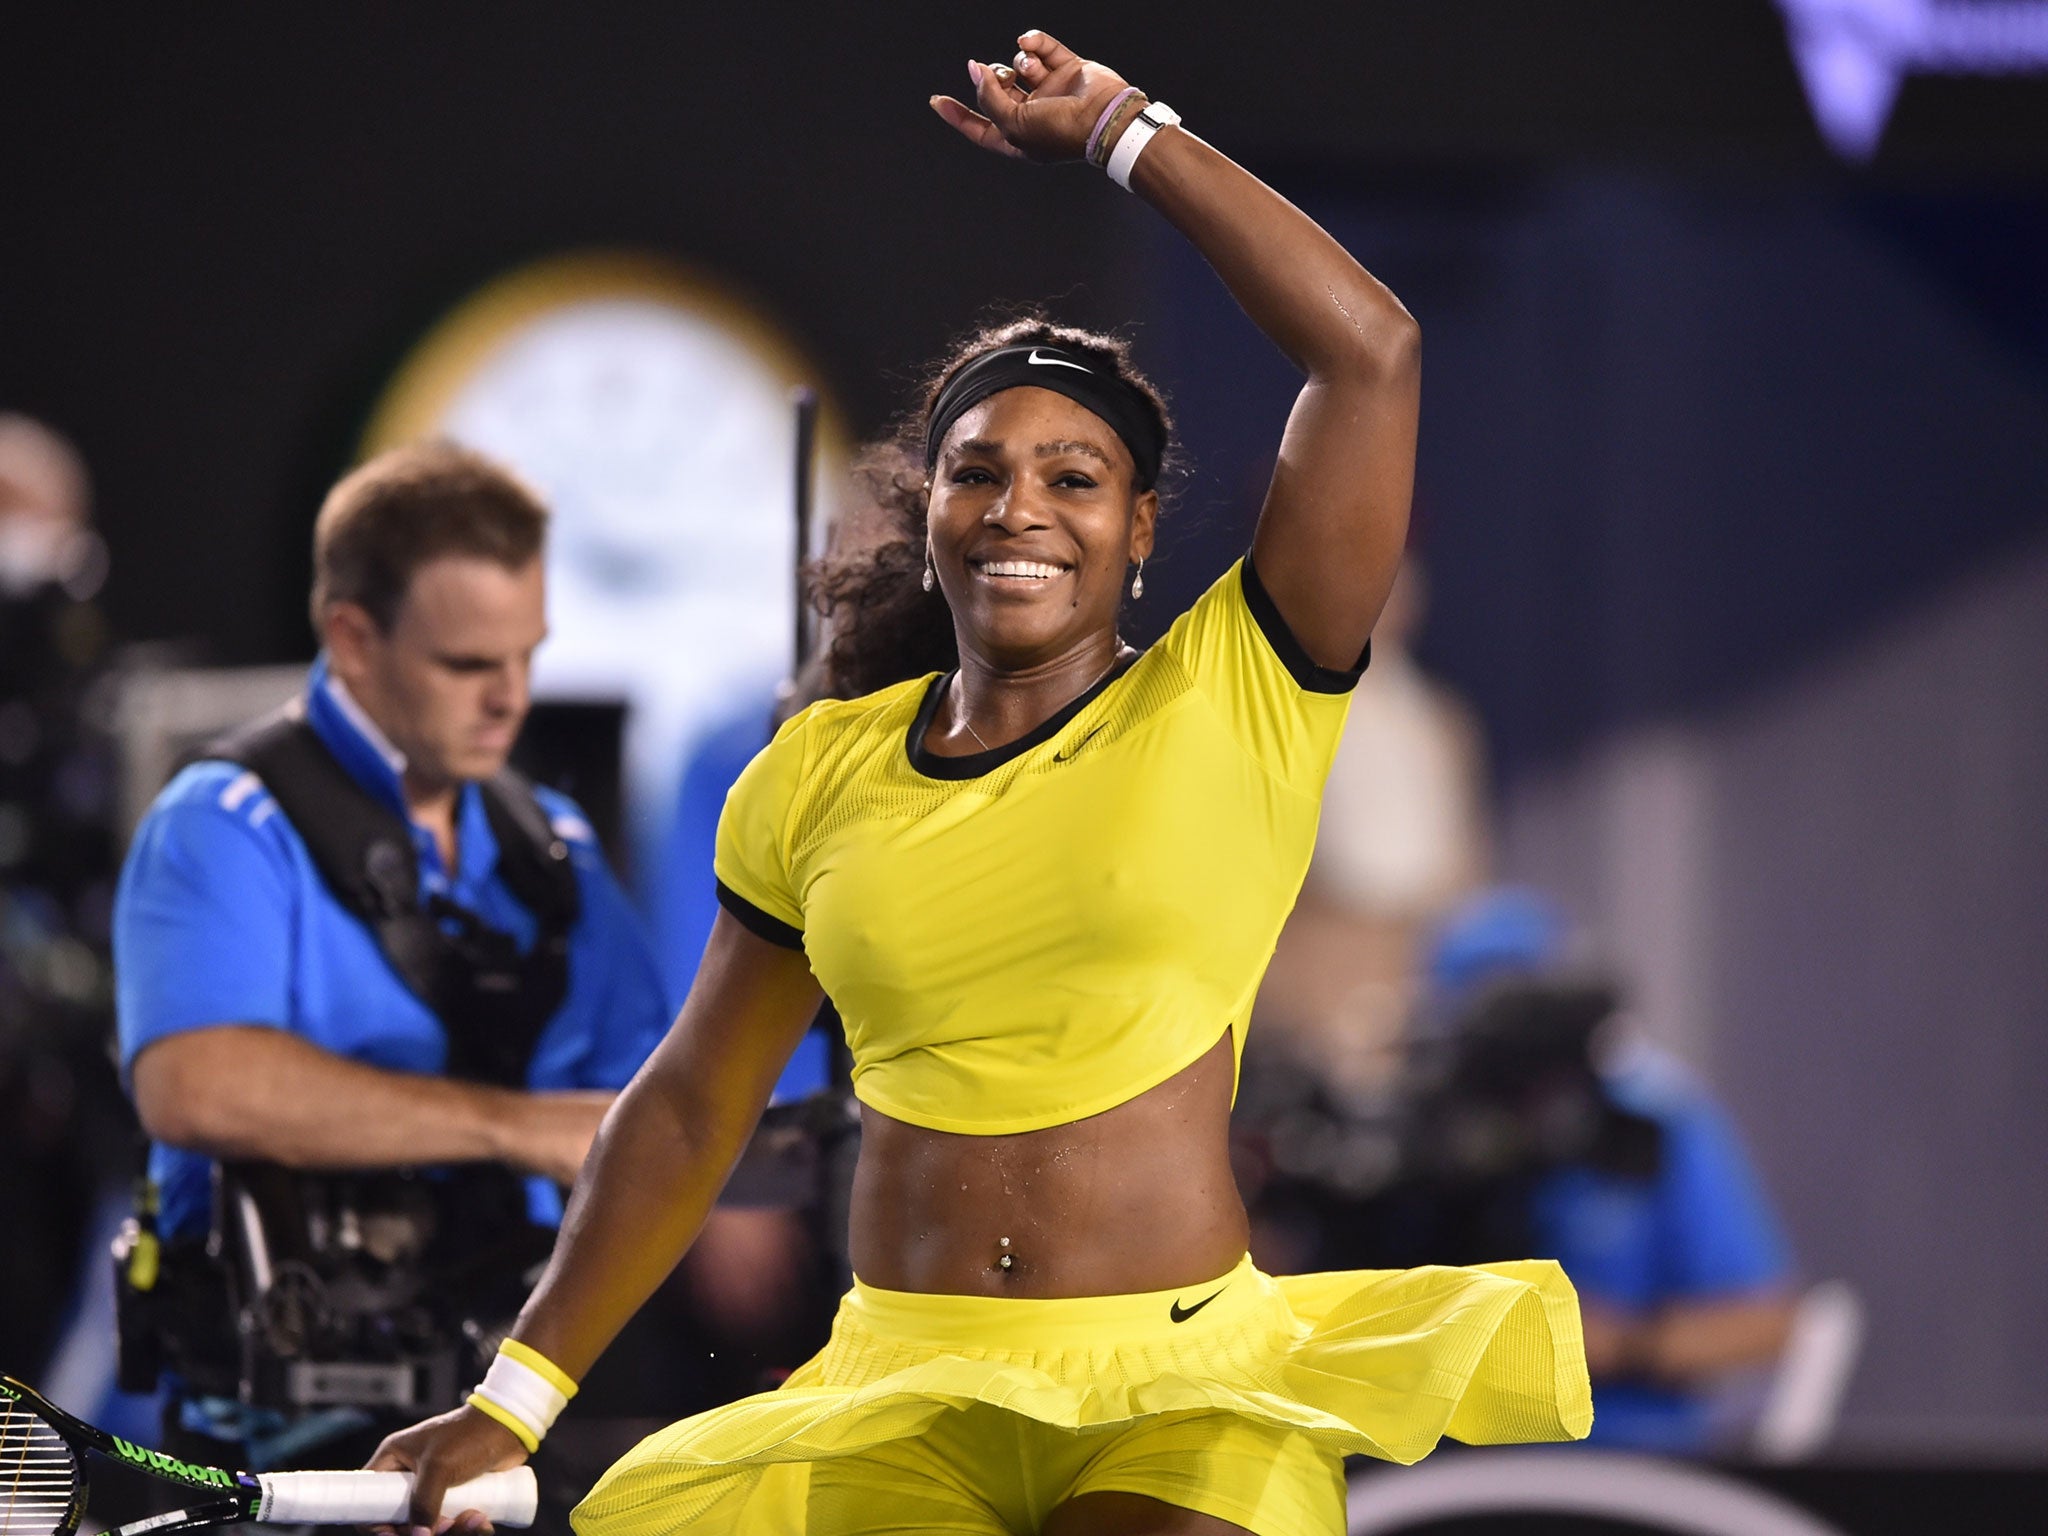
[1040,106]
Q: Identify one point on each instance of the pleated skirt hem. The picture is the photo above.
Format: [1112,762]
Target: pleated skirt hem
[1381,1363]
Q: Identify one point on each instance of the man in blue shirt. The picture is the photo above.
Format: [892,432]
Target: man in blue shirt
[682,891]
[1683,1275]
[260,1020]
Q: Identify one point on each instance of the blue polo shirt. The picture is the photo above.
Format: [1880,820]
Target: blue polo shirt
[1700,1230]
[683,895]
[221,917]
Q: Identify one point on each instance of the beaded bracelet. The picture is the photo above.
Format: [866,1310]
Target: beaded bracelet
[1102,122]
[1104,152]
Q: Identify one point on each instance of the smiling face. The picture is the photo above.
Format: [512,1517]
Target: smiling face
[449,682]
[1034,521]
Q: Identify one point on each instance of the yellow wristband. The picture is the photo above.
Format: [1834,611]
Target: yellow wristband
[534,1360]
[523,1390]
[507,1418]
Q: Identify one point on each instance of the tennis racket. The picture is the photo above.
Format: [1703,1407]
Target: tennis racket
[43,1482]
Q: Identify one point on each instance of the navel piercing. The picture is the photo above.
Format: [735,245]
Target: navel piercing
[1007,1259]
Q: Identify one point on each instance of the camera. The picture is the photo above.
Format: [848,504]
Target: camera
[1436,1164]
[379,1291]
[384,1291]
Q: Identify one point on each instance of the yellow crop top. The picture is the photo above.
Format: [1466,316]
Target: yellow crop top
[1035,934]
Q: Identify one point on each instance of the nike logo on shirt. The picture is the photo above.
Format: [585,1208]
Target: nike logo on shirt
[1054,362]
[1061,757]
[1181,1314]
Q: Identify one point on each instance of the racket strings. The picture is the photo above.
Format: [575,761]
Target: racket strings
[38,1475]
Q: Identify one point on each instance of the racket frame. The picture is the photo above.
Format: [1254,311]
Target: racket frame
[243,1495]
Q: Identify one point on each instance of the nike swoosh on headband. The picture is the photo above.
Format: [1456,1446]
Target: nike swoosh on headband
[1054,362]
[1181,1314]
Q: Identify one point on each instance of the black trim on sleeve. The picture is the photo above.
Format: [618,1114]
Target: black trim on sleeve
[762,925]
[1310,677]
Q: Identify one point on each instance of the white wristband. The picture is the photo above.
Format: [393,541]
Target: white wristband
[528,1393]
[1131,144]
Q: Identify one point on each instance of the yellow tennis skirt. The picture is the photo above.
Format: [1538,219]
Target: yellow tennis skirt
[1053,1395]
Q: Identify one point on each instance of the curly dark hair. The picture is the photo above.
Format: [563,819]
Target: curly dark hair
[879,624]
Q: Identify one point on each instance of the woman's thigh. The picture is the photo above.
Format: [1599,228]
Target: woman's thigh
[1132,1514]
[1195,1474]
[896,1490]
[963,1476]
[984,1471]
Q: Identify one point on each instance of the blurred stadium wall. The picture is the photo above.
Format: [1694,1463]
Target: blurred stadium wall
[1732,477]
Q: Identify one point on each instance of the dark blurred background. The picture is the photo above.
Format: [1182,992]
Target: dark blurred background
[1733,480]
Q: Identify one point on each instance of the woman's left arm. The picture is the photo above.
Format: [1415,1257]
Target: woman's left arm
[1336,515]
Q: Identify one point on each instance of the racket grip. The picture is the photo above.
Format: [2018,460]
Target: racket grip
[384,1498]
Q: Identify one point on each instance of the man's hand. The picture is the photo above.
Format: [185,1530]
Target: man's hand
[550,1133]
[1617,1343]
[1686,1343]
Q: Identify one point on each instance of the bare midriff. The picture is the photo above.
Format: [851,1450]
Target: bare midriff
[1137,1198]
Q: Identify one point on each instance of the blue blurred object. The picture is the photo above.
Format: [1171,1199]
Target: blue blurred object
[682,900]
[1698,1230]
[1701,1230]
[1507,931]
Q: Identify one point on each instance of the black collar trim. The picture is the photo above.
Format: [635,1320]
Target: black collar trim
[975,764]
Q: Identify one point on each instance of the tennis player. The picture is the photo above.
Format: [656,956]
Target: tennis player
[1041,889]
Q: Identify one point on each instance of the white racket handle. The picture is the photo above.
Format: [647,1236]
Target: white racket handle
[385,1498]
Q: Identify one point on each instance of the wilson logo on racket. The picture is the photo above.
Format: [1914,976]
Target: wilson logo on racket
[44,1489]
[170,1466]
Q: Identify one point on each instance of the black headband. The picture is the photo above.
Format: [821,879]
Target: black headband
[1121,405]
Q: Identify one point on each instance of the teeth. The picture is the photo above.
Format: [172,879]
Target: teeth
[1020,568]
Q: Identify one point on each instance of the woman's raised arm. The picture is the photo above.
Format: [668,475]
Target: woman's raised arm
[659,1160]
[1336,515]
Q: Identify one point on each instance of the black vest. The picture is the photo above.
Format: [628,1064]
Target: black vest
[492,1000]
